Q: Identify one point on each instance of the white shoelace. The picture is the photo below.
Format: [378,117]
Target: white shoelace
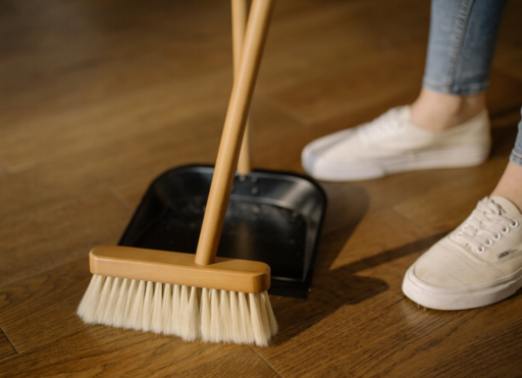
[386,124]
[486,225]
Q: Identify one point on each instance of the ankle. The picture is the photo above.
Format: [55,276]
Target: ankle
[435,111]
[509,185]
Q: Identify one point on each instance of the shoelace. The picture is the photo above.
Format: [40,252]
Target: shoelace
[486,225]
[386,124]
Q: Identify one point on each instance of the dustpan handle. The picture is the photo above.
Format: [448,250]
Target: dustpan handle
[232,133]
[239,18]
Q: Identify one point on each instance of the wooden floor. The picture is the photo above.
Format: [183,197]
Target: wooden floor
[98,97]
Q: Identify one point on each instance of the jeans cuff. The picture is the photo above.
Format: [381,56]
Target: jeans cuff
[516,157]
[455,89]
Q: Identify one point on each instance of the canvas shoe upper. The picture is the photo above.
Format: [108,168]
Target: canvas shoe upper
[477,264]
[391,143]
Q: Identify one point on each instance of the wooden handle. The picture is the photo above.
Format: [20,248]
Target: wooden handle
[231,136]
[239,20]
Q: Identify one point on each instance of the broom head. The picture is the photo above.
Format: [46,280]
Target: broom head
[166,292]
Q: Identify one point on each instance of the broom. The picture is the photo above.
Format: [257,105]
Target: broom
[203,297]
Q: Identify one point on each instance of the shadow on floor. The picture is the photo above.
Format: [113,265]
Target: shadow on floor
[333,289]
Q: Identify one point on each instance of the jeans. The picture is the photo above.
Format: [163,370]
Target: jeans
[460,50]
[516,154]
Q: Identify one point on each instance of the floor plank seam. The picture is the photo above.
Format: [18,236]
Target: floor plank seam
[281,108]
[118,197]
[9,341]
[260,355]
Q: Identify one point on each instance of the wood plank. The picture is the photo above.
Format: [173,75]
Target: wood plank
[339,90]
[110,124]
[505,92]
[353,52]
[45,301]
[508,55]
[42,226]
[136,355]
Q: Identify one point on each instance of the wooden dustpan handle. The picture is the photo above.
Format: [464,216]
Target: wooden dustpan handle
[232,133]
[239,20]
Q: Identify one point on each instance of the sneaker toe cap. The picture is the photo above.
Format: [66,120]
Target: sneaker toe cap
[319,151]
[338,157]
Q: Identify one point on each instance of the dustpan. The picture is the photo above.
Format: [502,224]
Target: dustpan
[273,216]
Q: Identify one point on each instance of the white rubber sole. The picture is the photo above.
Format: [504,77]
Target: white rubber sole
[442,299]
[459,157]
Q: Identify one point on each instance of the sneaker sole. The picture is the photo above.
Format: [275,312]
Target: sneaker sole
[433,159]
[437,299]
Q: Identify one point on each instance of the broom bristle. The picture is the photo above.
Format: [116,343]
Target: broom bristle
[191,313]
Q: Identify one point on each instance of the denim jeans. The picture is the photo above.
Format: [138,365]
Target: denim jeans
[516,154]
[461,45]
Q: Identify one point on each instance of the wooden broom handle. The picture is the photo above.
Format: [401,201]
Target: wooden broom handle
[239,20]
[232,133]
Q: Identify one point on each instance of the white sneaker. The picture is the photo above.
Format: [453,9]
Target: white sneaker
[391,143]
[478,264]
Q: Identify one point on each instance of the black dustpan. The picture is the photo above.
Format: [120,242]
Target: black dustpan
[274,217]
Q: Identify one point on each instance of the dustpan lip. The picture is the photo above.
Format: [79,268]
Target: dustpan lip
[301,176]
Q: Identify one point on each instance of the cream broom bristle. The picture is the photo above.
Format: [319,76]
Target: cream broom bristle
[191,313]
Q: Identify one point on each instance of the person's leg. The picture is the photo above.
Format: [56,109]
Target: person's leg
[436,111]
[480,262]
[461,44]
[446,127]
[510,184]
